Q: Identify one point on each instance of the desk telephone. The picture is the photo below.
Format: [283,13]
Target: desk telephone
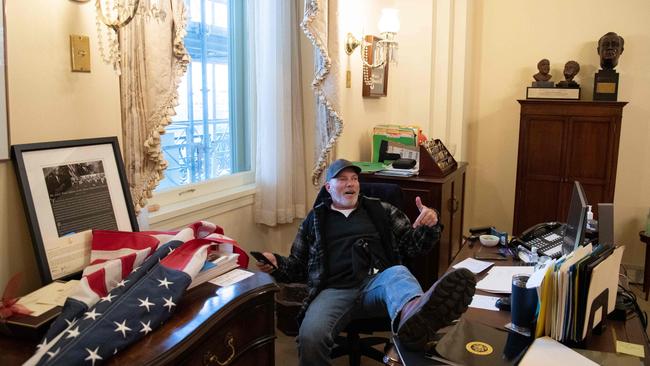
[547,237]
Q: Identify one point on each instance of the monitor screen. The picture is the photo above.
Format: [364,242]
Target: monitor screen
[576,222]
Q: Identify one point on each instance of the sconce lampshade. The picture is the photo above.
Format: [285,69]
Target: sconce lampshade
[389,21]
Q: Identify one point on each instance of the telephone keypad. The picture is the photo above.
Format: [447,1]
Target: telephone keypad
[550,245]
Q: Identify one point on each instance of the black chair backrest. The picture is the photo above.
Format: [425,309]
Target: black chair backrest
[387,192]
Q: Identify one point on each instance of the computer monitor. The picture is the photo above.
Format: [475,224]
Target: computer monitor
[576,222]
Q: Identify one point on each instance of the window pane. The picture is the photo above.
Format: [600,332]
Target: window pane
[199,144]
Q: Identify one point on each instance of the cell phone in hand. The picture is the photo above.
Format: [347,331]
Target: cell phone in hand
[262,258]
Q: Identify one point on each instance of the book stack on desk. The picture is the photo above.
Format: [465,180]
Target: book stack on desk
[45,305]
[212,268]
[394,172]
[576,292]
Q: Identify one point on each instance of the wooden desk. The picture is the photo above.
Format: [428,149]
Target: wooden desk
[629,331]
[199,332]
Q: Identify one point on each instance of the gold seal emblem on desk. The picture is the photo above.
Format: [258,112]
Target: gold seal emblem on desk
[479,348]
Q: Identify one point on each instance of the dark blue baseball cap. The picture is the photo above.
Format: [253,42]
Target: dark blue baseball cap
[337,166]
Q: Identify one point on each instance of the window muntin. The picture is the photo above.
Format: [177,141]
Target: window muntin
[208,137]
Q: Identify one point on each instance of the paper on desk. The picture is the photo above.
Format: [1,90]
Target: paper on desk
[231,277]
[499,278]
[484,302]
[546,351]
[630,349]
[537,277]
[48,297]
[474,265]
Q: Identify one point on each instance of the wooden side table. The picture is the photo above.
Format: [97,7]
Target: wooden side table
[646,271]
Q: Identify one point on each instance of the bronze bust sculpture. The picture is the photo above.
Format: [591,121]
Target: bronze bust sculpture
[544,66]
[571,69]
[542,78]
[610,48]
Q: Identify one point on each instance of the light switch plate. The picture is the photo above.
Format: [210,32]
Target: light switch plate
[80,53]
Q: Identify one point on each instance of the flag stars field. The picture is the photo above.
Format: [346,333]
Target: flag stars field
[145,303]
[93,355]
[73,333]
[168,302]
[92,315]
[108,298]
[146,328]
[165,283]
[121,327]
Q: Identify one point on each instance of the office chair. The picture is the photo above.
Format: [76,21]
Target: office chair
[353,344]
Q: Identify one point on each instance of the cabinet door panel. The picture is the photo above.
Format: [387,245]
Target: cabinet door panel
[596,193]
[540,200]
[544,146]
[588,149]
[456,211]
[446,235]
[427,197]
[425,267]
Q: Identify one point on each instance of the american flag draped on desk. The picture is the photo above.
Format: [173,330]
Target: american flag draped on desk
[131,287]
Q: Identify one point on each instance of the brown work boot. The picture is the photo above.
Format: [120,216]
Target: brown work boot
[443,303]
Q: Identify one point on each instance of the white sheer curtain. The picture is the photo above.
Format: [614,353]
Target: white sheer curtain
[277,111]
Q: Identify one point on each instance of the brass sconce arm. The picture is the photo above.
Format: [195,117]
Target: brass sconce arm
[116,24]
[386,46]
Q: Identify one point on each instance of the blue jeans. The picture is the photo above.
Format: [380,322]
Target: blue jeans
[382,294]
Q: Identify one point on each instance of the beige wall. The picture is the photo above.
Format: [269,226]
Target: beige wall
[512,36]
[408,81]
[47,102]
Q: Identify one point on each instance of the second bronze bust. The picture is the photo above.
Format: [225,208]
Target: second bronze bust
[571,69]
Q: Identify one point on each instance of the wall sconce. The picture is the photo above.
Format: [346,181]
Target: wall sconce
[385,49]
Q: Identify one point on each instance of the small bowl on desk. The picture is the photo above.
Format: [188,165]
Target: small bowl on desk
[489,240]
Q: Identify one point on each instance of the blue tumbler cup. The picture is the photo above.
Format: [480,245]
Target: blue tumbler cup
[523,303]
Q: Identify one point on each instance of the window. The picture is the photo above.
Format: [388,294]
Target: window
[208,137]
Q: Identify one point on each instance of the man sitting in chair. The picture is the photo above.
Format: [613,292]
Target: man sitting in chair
[349,249]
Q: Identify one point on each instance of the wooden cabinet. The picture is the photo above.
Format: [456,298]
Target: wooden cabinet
[447,195]
[234,325]
[560,142]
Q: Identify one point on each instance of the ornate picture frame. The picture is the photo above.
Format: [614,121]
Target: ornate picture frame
[68,189]
[378,75]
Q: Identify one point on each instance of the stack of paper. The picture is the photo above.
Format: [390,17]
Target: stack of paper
[568,289]
[393,172]
[474,265]
[546,351]
[211,269]
[48,297]
[499,279]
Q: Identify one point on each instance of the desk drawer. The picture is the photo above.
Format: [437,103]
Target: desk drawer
[228,341]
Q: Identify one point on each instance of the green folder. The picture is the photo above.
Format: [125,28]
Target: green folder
[369,167]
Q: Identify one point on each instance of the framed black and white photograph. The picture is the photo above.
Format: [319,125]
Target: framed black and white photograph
[70,188]
[378,75]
